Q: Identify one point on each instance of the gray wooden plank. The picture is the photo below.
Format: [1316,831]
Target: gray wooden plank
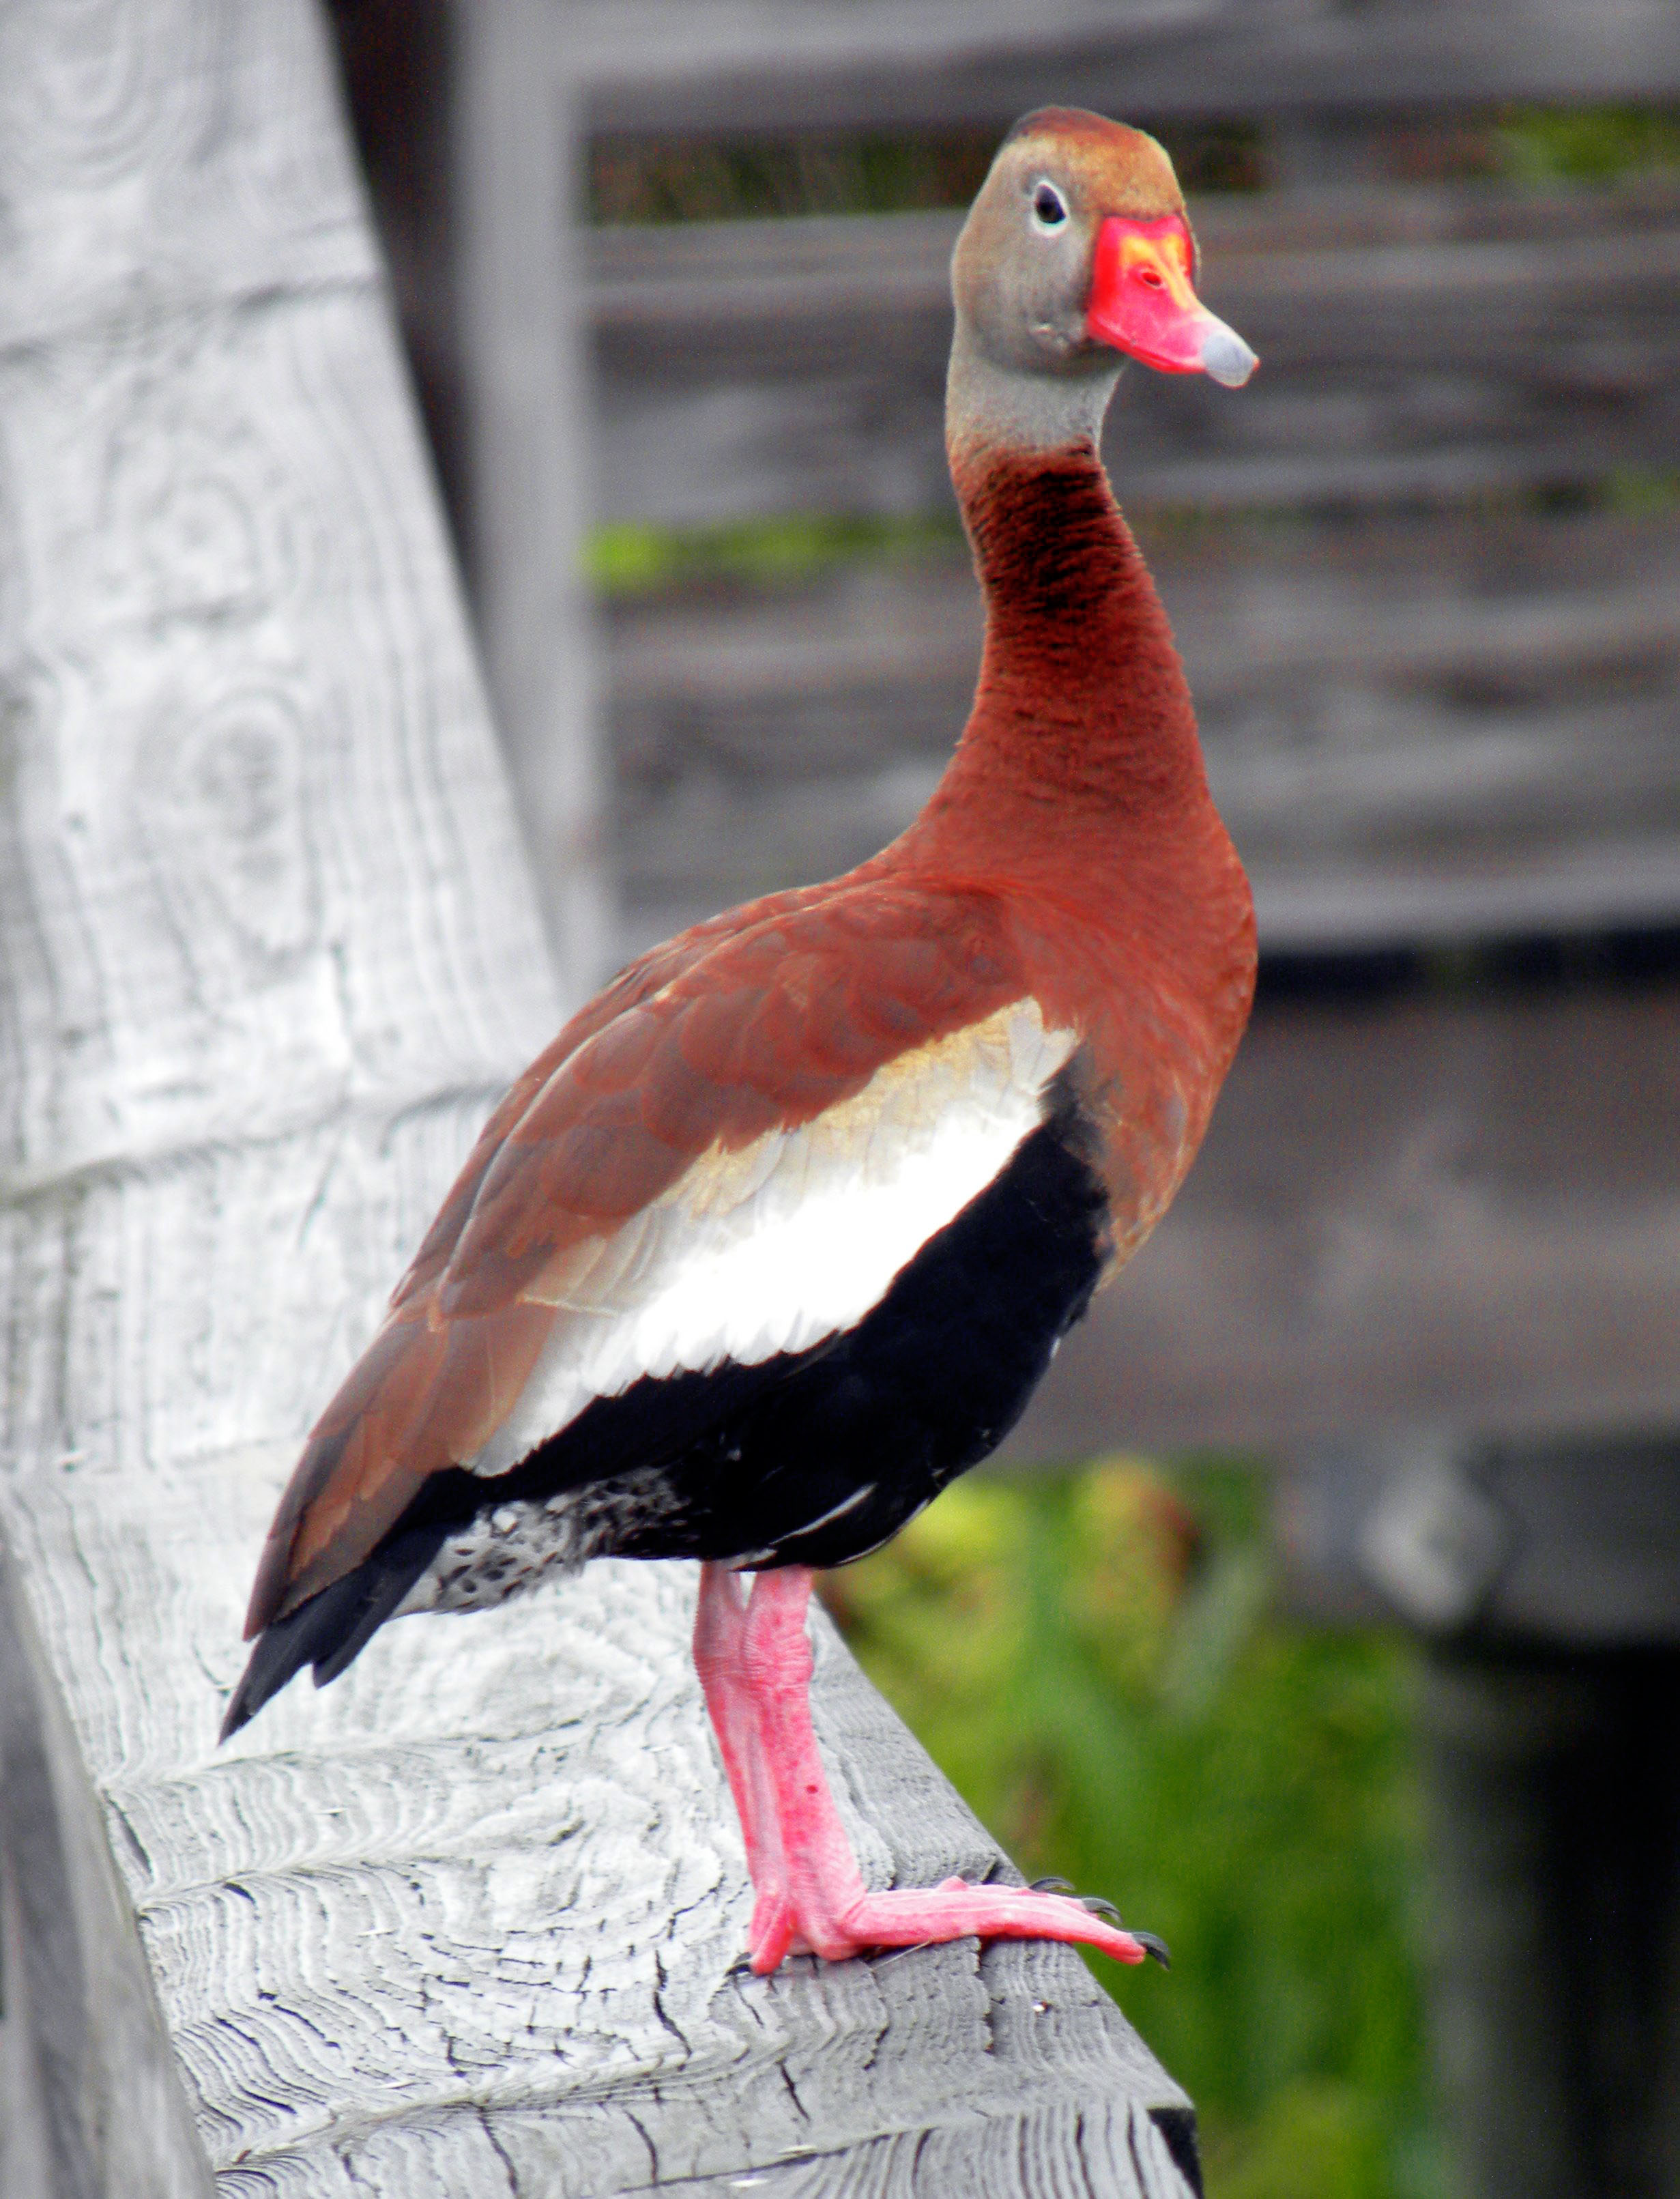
[268,947]
[521,347]
[1432,727]
[1054,2154]
[1415,343]
[25,2164]
[1457,1213]
[467,1921]
[722,272]
[654,64]
[103,2108]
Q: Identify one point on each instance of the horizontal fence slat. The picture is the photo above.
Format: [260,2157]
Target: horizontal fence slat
[1426,1212]
[656,65]
[1419,343]
[1421,729]
[1430,728]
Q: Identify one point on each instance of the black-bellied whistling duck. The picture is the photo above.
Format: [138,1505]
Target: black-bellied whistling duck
[779,1235]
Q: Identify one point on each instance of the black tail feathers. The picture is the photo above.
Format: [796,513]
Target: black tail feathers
[330,1629]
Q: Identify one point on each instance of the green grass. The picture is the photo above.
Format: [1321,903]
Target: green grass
[1096,1661]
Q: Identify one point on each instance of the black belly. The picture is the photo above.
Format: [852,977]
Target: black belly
[815,1457]
[811,1458]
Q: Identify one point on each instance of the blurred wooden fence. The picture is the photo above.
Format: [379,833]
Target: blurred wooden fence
[1425,570]
[1447,723]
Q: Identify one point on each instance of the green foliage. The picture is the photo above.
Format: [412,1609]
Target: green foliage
[626,560]
[747,177]
[1642,491]
[1095,1663]
[1588,144]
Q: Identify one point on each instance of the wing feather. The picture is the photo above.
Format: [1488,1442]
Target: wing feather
[673,1096]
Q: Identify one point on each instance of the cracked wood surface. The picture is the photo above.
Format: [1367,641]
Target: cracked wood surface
[464,1922]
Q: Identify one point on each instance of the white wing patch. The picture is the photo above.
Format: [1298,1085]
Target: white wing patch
[791,1238]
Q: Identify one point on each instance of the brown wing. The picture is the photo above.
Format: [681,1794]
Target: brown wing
[632,984]
[758,1029]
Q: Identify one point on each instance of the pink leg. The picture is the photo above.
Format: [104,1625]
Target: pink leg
[811,1895]
[720,1634]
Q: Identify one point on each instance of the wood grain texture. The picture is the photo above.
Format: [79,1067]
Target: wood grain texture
[476,1904]
[1419,728]
[746,64]
[267,948]
[100,2106]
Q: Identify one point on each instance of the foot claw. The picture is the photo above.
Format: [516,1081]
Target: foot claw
[771,1936]
[1096,1903]
[1152,1944]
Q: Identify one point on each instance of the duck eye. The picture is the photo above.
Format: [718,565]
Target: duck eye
[1048,210]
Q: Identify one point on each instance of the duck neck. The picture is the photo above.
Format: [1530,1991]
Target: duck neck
[1082,743]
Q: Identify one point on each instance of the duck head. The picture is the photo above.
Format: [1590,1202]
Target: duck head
[1077,253]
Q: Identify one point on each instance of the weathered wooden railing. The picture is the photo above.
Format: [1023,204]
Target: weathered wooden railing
[465,1922]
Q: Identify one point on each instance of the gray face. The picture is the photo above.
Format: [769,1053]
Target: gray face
[1022,273]
[1024,374]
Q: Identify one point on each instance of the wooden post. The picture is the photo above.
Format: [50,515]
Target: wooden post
[523,344]
[464,1923]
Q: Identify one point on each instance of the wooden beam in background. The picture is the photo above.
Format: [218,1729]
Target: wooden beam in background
[1460,1216]
[1415,343]
[755,65]
[1421,728]
[523,346]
